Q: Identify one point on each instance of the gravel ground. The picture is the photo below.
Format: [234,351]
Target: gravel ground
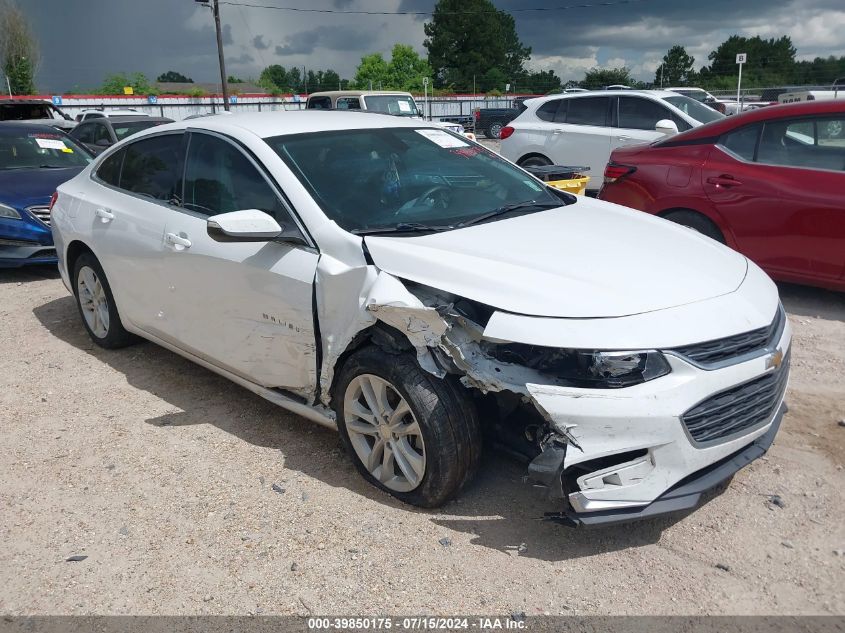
[190,495]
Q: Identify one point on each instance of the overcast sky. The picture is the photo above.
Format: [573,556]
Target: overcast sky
[83,40]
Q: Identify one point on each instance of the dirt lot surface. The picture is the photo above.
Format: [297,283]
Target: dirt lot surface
[191,495]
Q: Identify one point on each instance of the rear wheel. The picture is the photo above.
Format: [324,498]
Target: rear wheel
[697,222]
[408,432]
[96,304]
[535,161]
[494,130]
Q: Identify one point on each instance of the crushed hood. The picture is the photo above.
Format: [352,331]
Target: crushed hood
[586,260]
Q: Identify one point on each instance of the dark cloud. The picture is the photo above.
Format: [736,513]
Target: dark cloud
[334,38]
[81,42]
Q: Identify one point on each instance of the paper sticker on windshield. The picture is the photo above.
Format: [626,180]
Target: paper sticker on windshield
[404,106]
[49,143]
[442,138]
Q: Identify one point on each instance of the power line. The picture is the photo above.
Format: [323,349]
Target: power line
[609,3]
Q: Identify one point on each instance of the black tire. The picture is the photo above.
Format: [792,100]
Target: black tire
[697,222]
[535,161]
[494,130]
[116,335]
[446,416]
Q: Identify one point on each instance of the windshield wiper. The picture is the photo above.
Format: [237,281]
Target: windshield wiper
[403,227]
[517,206]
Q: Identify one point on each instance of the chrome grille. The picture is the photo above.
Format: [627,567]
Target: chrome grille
[738,409]
[42,213]
[723,349]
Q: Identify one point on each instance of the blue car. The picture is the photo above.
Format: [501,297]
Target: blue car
[34,160]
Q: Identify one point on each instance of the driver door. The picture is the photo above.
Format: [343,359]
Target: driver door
[244,306]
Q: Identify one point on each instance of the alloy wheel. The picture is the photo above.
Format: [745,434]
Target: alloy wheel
[93,301]
[384,432]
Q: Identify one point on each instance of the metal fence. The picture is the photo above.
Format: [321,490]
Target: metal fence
[178,108]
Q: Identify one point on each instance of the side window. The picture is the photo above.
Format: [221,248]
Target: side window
[152,167]
[547,111]
[84,133]
[742,142]
[220,179]
[319,103]
[641,114]
[807,143]
[101,132]
[348,103]
[109,171]
[587,111]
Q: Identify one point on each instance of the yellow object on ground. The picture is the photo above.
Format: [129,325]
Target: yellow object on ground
[571,185]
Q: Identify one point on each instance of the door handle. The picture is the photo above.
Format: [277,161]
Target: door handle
[625,138]
[724,181]
[557,131]
[178,241]
[105,215]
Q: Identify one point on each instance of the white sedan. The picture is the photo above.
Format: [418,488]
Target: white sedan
[417,292]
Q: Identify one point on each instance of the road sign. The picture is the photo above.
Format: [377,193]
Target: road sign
[128,90]
[233,98]
[152,98]
[57,100]
[425,81]
[741,58]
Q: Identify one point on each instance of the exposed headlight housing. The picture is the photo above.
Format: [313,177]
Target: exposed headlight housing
[590,369]
[8,212]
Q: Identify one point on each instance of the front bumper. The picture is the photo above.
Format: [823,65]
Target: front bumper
[17,256]
[624,454]
[685,495]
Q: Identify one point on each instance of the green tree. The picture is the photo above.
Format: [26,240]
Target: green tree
[597,78]
[770,62]
[19,53]
[113,84]
[171,76]
[230,79]
[406,69]
[295,83]
[676,68]
[372,71]
[468,39]
[538,82]
[331,80]
[273,78]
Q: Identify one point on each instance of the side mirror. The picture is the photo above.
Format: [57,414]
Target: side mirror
[666,127]
[103,142]
[250,225]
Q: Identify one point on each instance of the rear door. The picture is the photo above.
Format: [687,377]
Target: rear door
[127,217]
[779,186]
[636,118]
[245,306]
[581,135]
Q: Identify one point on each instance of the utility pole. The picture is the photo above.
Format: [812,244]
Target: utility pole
[215,9]
[661,75]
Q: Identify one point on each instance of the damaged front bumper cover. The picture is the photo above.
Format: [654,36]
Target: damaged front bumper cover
[684,496]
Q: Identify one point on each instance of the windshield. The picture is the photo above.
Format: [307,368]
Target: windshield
[122,130]
[39,150]
[366,179]
[694,109]
[698,95]
[25,111]
[398,105]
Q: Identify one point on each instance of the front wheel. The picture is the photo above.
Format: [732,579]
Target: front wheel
[535,161]
[96,304]
[408,432]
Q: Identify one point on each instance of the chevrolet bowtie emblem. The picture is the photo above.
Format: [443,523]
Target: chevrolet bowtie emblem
[775,360]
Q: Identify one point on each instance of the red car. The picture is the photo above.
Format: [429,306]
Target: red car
[769,183]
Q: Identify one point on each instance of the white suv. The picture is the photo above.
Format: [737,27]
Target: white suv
[583,129]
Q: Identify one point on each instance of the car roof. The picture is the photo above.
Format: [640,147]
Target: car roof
[131,118]
[358,93]
[8,101]
[11,127]
[655,94]
[267,124]
[717,128]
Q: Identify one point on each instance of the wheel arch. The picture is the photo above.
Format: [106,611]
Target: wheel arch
[525,157]
[711,216]
[73,252]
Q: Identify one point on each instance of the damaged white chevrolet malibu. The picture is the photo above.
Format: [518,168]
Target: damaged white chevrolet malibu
[422,294]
